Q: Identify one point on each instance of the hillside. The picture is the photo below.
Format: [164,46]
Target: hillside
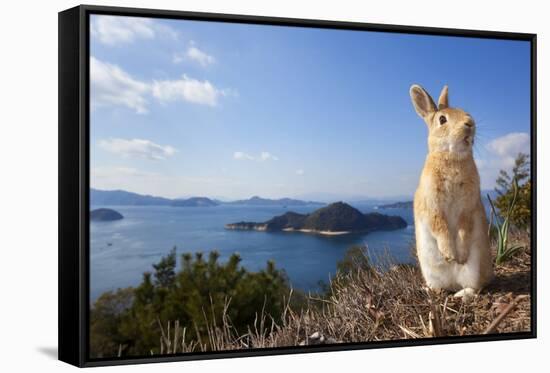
[289,220]
[369,303]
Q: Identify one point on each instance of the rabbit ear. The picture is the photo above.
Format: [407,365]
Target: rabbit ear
[443,102]
[422,101]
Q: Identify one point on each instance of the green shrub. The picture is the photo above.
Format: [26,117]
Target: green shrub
[520,215]
[129,320]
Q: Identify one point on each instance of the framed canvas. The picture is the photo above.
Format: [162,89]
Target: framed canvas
[236,186]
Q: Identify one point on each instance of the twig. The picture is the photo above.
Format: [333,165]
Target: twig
[435,321]
[509,308]
[409,332]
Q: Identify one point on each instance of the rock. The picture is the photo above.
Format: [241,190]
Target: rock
[315,335]
[317,338]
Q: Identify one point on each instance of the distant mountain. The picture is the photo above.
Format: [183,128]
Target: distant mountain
[123,198]
[195,202]
[105,215]
[397,205]
[336,218]
[352,198]
[259,201]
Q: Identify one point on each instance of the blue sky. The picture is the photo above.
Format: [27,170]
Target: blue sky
[187,108]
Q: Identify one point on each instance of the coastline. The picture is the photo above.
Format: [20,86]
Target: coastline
[263,228]
[313,231]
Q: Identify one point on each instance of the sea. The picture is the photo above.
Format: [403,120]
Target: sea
[121,251]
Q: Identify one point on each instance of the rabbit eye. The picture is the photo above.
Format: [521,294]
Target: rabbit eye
[442,119]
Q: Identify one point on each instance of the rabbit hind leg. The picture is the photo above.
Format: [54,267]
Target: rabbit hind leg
[438,273]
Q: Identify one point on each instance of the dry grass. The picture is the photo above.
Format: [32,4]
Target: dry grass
[375,305]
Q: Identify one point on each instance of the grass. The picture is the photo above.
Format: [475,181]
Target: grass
[373,304]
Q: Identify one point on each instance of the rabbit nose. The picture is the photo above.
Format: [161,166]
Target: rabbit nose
[468,124]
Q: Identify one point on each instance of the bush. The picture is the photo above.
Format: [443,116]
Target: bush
[129,320]
[520,215]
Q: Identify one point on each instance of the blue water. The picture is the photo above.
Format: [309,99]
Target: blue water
[122,250]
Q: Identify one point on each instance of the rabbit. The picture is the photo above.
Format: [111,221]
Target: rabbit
[451,228]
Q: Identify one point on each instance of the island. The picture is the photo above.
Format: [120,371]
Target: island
[194,202]
[105,215]
[335,219]
[397,205]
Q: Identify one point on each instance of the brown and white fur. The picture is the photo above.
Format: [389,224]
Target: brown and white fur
[450,222]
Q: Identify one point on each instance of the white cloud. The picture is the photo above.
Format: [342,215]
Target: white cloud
[110,85]
[264,156]
[300,172]
[510,144]
[199,56]
[187,89]
[242,156]
[500,155]
[137,148]
[178,58]
[194,54]
[503,150]
[113,30]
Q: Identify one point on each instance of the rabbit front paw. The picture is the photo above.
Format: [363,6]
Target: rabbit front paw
[448,254]
[449,258]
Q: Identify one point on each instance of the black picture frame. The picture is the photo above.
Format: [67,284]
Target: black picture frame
[74,180]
